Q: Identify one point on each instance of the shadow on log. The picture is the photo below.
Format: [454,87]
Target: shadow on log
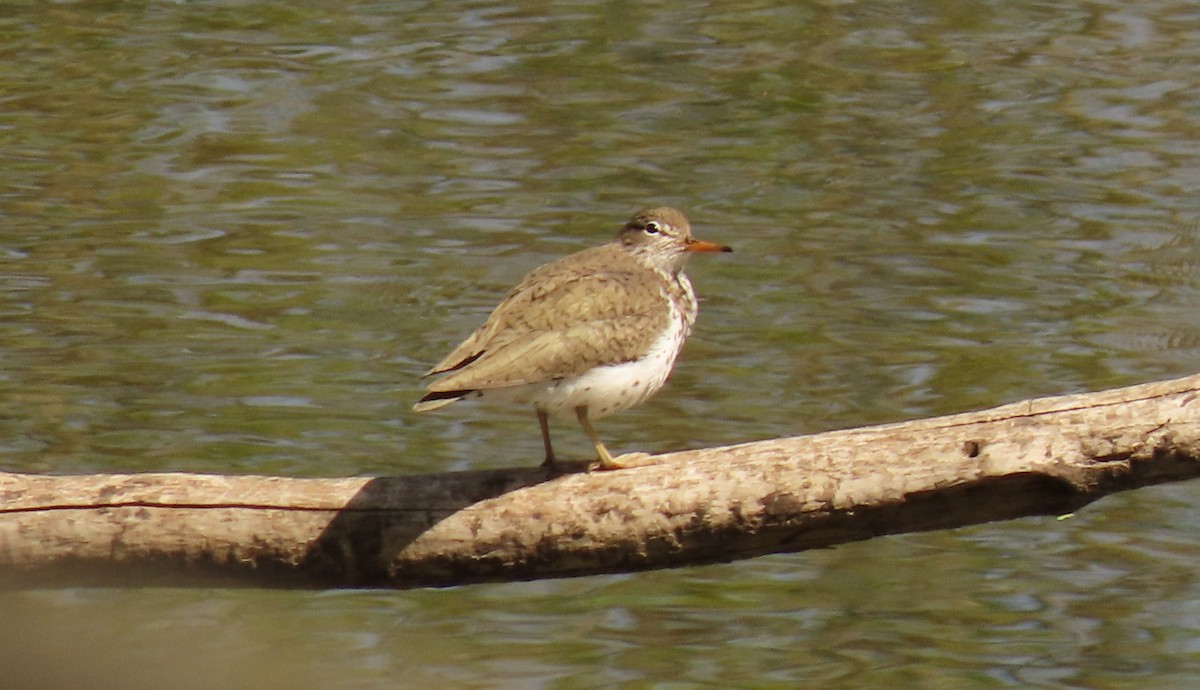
[1045,456]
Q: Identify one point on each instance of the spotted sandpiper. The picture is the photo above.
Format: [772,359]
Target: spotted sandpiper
[590,334]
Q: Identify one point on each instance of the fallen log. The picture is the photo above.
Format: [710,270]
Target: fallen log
[1045,456]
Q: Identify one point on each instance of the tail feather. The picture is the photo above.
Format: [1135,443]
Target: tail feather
[437,399]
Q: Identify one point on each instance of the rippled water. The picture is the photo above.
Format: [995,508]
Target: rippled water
[235,235]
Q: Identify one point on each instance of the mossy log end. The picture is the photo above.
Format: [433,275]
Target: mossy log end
[1038,457]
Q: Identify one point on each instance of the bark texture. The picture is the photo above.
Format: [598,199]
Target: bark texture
[1042,456]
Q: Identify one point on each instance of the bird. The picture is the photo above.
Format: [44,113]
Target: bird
[589,334]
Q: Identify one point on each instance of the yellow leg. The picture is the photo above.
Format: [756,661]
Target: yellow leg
[544,422]
[605,459]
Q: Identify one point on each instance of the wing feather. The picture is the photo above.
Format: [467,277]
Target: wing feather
[561,320]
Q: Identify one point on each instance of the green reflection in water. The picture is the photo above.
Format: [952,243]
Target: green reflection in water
[234,235]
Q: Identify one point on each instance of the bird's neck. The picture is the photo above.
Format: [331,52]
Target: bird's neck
[667,266]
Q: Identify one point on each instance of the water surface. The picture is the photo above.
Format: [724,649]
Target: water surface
[234,235]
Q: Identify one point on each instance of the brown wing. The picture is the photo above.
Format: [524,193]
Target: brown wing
[561,320]
[550,355]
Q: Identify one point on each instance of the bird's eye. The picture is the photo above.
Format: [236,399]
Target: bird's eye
[651,227]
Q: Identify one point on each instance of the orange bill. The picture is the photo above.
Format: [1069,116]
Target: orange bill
[695,245]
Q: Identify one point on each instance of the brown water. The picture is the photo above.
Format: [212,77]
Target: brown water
[235,234]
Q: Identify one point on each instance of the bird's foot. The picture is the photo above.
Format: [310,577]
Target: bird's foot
[621,462]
